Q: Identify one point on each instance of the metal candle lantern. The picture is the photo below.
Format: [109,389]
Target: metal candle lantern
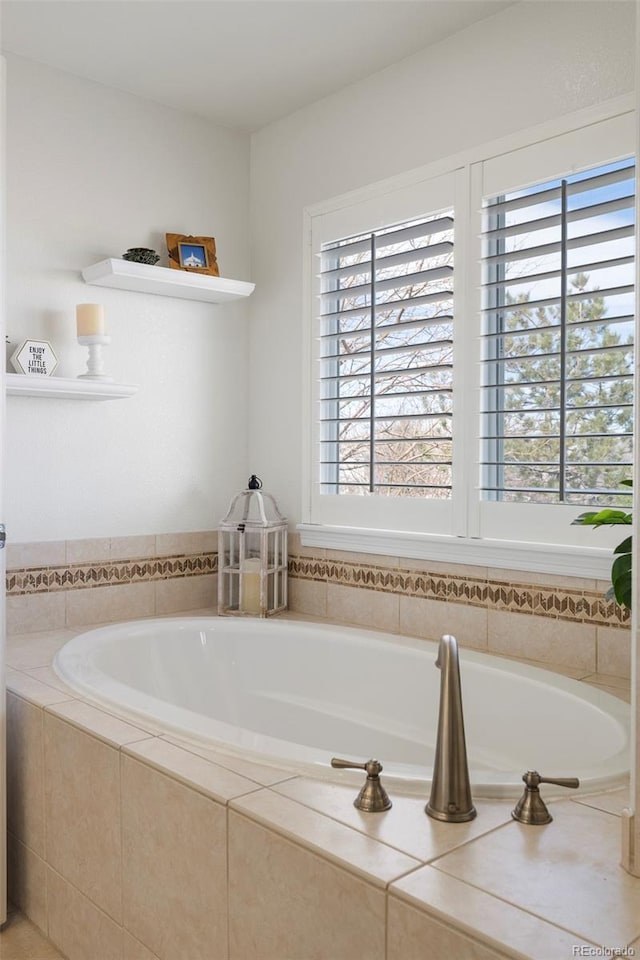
[252,555]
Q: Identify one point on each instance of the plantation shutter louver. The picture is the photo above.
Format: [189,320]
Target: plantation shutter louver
[558,309]
[386,361]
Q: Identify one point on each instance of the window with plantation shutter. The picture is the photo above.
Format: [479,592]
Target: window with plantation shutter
[558,323]
[386,360]
[470,347]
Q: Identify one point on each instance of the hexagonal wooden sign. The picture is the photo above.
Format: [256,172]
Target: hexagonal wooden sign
[35,357]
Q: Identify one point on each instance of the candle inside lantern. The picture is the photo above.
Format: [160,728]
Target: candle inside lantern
[90,319]
[250,574]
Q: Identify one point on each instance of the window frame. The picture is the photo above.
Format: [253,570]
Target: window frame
[502,272]
[439,516]
[472,532]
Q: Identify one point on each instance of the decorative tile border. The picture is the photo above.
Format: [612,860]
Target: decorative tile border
[578,606]
[79,576]
[581,606]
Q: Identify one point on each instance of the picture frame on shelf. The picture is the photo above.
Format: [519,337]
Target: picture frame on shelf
[193,254]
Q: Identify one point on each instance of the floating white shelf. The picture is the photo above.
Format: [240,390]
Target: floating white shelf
[165,282]
[66,388]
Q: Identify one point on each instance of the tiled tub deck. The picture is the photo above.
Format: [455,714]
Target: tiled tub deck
[125,844]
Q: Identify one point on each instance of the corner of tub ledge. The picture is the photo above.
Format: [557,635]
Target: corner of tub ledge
[194,771]
[22,684]
[98,723]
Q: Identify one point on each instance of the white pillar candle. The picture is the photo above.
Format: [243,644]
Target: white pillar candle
[250,574]
[90,319]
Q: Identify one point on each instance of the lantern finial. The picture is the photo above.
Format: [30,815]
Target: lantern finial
[254,482]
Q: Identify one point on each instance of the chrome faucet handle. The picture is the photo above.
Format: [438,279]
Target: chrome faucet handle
[373,798]
[531,808]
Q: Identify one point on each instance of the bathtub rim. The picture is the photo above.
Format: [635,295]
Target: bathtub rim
[91,682]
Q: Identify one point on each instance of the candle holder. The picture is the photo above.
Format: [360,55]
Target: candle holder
[252,555]
[95,363]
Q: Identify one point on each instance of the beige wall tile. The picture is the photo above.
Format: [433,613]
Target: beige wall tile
[49,553]
[98,723]
[82,802]
[88,551]
[462,570]
[614,802]
[574,673]
[50,677]
[366,559]
[201,541]
[366,608]
[25,774]
[555,581]
[27,882]
[612,689]
[293,538]
[373,861]
[431,619]
[29,650]
[33,690]
[110,604]
[493,923]
[261,773]
[134,950]
[195,771]
[603,586]
[589,893]
[130,548]
[21,940]
[186,593]
[614,651]
[288,902]
[606,679]
[296,549]
[413,935]
[405,826]
[308,596]
[174,866]
[77,926]
[36,611]
[208,611]
[543,638]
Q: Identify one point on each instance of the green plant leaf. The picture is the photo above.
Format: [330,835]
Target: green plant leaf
[625,546]
[584,518]
[621,574]
[621,579]
[622,590]
[602,518]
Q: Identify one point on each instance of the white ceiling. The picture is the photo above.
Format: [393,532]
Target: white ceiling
[241,63]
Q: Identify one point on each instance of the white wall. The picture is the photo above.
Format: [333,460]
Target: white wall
[92,171]
[531,63]
[3,709]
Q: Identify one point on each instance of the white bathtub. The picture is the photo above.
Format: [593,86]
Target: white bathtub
[295,694]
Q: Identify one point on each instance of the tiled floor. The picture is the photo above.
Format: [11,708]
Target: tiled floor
[20,940]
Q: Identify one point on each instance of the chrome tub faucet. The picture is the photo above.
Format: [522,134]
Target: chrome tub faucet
[450,788]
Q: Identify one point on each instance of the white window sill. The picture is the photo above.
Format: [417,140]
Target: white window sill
[572,561]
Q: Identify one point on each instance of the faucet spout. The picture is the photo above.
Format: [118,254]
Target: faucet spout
[450,788]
